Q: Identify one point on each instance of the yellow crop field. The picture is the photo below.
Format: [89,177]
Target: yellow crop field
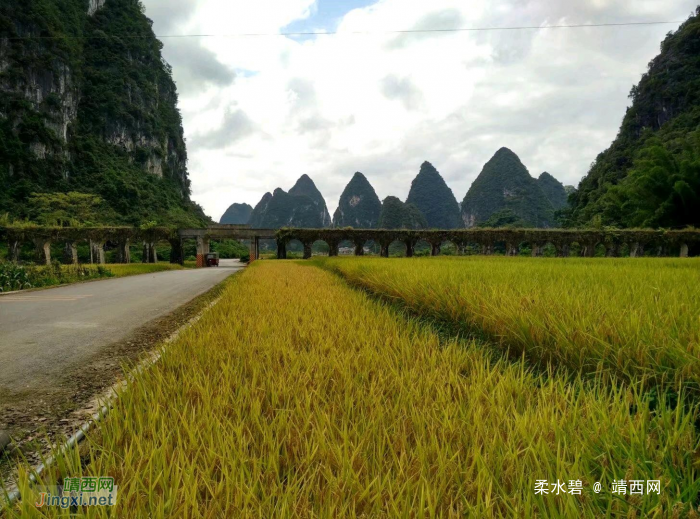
[298,396]
[632,319]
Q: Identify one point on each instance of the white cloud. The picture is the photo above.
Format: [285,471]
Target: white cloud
[261,111]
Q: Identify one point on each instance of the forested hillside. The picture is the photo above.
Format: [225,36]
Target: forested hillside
[88,105]
[359,205]
[650,175]
[398,215]
[504,188]
[303,206]
[431,195]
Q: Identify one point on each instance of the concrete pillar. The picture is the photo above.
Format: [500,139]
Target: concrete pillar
[281,249]
[70,252]
[253,249]
[333,248]
[202,250]
[384,250]
[536,250]
[177,254]
[97,252]
[435,248]
[684,250]
[359,248]
[511,250]
[589,250]
[13,251]
[635,250]
[42,248]
[307,250]
[410,248]
[123,253]
[564,251]
[611,250]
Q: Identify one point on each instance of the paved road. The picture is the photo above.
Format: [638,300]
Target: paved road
[44,332]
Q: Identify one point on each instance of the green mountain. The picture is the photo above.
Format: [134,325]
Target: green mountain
[359,205]
[650,174]
[237,214]
[303,206]
[306,187]
[87,104]
[430,194]
[505,183]
[397,215]
[554,191]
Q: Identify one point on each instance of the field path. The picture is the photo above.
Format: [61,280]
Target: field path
[44,333]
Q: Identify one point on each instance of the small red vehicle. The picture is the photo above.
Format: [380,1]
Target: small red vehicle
[212,259]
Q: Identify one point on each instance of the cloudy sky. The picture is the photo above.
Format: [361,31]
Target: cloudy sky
[260,111]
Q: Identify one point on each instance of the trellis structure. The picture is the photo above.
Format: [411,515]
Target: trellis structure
[662,242]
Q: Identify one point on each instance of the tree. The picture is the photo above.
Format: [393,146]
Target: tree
[64,209]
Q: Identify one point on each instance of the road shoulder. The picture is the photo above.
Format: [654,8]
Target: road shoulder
[39,417]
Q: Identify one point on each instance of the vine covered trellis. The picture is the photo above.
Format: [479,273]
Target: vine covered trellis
[484,241]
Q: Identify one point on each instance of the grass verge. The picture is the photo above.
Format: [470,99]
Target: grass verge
[17,277]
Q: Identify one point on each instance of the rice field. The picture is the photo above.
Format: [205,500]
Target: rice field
[629,319]
[298,396]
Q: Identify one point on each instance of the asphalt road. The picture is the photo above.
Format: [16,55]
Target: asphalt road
[43,333]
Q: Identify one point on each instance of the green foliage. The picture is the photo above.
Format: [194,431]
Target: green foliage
[505,185]
[661,190]
[64,209]
[359,206]
[665,107]
[13,277]
[431,195]
[18,277]
[228,249]
[504,218]
[397,215]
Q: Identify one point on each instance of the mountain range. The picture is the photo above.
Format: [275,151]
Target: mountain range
[503,194]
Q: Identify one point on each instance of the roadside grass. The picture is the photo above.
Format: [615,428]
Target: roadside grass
[630,319]
[296,395]
[18,277]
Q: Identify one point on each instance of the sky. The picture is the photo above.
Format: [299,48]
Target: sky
[260,111]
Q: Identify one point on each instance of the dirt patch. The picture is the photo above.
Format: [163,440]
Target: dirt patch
[39,418]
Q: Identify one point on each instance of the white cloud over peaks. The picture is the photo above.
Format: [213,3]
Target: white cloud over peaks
[261,111]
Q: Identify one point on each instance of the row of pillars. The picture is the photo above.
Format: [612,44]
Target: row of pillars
[42,248]
[587,250]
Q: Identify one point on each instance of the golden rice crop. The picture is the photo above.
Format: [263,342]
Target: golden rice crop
[632,318]
[296,396]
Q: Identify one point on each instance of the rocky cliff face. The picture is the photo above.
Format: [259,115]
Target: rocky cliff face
[554,191]
[430,194]
[237,214]
[85,108]
[397,215]
[505,185]
[359,205]
[303,206]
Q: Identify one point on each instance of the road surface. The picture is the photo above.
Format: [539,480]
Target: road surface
[44,333]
